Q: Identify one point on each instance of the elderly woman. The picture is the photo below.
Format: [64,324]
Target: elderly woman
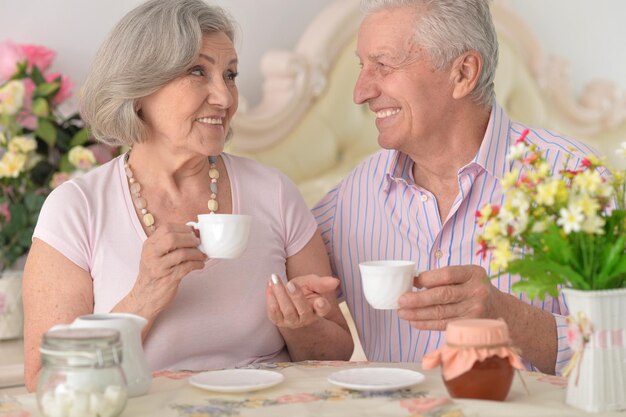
[115,239]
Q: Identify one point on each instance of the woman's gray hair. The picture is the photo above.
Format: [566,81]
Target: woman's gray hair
[449,28]
[152,45]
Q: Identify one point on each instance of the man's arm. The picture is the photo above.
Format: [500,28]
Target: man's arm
[457,292]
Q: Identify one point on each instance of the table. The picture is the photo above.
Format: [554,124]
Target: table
[306,392]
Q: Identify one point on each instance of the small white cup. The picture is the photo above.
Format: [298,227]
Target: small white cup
[222,236]
[385,281]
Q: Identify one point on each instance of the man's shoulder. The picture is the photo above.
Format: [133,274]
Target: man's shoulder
[554,143]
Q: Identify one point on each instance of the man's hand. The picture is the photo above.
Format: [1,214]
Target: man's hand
[448,294]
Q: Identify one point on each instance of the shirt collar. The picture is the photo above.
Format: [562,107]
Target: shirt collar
[491,155]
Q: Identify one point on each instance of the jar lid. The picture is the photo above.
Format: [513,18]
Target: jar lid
[83,347]
[477,333]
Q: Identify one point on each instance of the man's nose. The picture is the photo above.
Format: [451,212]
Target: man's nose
[364,89]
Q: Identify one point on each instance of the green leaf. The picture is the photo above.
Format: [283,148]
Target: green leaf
[40,107]
[80,137]
[46,89]
[46,131]
[37,76]
[65,165]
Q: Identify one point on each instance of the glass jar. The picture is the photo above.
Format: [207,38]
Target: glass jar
[81,373]
[478,359]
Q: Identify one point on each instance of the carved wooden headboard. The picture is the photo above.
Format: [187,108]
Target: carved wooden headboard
[307,125]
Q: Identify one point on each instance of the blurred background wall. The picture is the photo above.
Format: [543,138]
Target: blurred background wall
[587,33]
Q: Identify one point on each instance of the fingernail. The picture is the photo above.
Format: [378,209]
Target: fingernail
[274,279]
[320,302]
[291,287]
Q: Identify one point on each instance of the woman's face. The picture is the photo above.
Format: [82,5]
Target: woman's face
[193,112]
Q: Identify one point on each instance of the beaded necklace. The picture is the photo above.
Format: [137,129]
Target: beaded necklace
[142,205]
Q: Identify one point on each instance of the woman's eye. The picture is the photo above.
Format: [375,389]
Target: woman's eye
[231,75]
[198,71]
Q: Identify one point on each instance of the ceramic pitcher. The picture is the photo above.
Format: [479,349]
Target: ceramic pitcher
[134,363]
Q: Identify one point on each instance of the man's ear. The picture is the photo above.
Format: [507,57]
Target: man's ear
[466,70]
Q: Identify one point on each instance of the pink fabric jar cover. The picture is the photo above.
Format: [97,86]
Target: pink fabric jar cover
[469,341]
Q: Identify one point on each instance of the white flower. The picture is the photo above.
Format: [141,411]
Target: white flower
[516,152]
[22,144]
[570,219]
[81,158]
[12,164]
[593,225]
[11,97]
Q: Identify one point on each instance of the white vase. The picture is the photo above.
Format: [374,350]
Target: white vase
[11,314]
[598,383]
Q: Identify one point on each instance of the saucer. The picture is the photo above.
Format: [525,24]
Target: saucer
[376,379]
[236,380]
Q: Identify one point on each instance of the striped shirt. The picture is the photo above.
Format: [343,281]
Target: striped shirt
[378,212]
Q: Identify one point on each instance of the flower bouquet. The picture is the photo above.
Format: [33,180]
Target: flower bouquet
[39,148]
[557,231]
[568,233]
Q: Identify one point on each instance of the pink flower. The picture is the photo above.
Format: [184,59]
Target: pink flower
[417,405]
[65,90]
[25,118]
[38,56]
[59,178]
[5,212]
[297,398]
[10,55]
[103,153]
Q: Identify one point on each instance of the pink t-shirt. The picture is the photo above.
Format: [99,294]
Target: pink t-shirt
[218,317]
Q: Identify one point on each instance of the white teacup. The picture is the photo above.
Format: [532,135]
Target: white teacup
[385,281]
[222,236]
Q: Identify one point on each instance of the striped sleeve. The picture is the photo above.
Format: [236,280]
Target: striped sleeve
[324,212]
[564,353]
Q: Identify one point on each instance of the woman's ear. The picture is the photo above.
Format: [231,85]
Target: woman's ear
[466,70]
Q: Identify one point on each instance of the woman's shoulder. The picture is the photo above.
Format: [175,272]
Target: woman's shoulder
[245,168]
[94,182]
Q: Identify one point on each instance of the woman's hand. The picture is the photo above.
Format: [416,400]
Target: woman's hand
[167,256]
[299,303]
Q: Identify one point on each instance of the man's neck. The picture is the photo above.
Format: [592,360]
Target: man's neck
[438,158]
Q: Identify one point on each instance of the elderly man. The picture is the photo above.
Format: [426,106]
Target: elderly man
[427,71]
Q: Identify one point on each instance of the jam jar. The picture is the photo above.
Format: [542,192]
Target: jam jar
[477,360]
[81,373]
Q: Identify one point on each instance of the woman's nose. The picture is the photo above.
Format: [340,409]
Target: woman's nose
[220,95]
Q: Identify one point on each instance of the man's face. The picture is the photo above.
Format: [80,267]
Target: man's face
[398,82]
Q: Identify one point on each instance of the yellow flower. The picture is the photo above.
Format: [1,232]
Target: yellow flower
[588,205]
[546,193]
[502,254]
[22,144]
[12,164]
[81,158]
[510,179]
[11,97]
[492,230]
[588,181]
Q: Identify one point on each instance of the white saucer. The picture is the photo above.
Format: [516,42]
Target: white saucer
[236,380]
[376,379]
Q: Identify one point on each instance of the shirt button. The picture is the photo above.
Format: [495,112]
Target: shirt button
[424,198]
[438,254]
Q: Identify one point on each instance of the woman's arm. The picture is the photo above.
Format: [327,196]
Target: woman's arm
[54,290]
[311,322]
